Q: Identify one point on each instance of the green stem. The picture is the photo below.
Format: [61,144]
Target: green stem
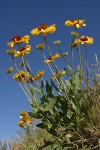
[87,80]
[57,70]
[50,67]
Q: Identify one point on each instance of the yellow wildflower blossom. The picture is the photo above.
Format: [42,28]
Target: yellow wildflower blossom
[35,32]
[48,61]
[20,76]
[17,39]
[21,123]
[44,29]
[23,50]
[25,39]
[75,43]
[23,113]
[86,40]
[25,119]
[77,23]
[55,56]
[30,79]
[39,74]
[29,121]
[51,58]
[57,74]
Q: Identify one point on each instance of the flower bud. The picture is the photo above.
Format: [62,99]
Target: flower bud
[40,46]
[11,52]
[65,54]
[9,70]
[57,42]
[74,34]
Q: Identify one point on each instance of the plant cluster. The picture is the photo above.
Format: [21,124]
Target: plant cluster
[67,105]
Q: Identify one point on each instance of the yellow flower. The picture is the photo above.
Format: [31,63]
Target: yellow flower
[51,58]
[57,74]
[29,120]
[39,74]
[77,23]
[30,79]
[44,29]
[75,43]
[23,113]
[51,29]
[26,50]
[83,40]
[18,54]
[9,70]
[21,123]
[35,32]
[24,118]
[55,56]
[17,39]
[86,40]
[40,46]
[48,61]
[62,72]
[25,39]
[11,44]
[23,50]
[20,76]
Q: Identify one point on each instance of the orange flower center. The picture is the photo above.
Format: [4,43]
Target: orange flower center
[50,58]
[16,38]
[42,26]
[72,20]
[84,39]
[22,48]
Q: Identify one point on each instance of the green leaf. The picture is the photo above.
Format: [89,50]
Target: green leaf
[42,84]
[38,116]
[56,88]
[40,125]
[96,57]
[50,104]
[48,88]
[47,147]
[77,76]
[38,91]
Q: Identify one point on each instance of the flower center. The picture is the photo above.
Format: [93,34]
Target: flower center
[16,38]
[22,48]
[42,26]
[84,39]
[50,58]
[75,21]
[72,20]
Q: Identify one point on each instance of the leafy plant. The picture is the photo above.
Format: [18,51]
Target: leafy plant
[67,105]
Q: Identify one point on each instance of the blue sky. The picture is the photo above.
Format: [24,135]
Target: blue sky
[19,17]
